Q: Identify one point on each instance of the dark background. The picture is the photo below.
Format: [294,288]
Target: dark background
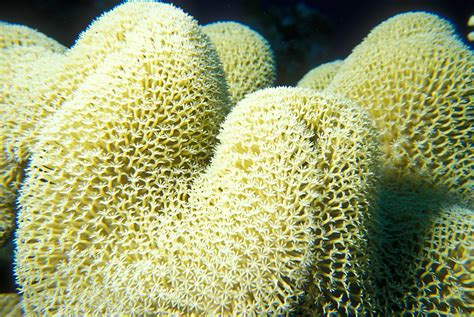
[303,33]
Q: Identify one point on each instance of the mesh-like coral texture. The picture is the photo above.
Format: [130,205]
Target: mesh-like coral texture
[407,24]
[11,175]
[21,35]
[428,257]
[283,203]
[118,157]
[347,160]
[246,56]
[16,61]
[319,77]
[244,244]
[10,305]
[60,75]
[418,91]
[29,70]
[416,84]
[108,34]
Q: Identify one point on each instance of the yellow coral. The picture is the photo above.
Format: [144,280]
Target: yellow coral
[428,256]
[246,56]
[417,87]
[41,85]
[407,24]
[244,245]
[319,77]
[18,58]
[10,305]
[119,155]
[274,212]
[347,154]
[106,36]
[20,49]
[10,178]
[20,35]
[112,174]
[34,68]
[418,91]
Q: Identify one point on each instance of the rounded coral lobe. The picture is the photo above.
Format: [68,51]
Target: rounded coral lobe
[321,76]
[417,88]
[247,58]
[22,53]
[114,164]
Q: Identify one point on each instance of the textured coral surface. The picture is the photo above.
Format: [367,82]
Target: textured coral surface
[414,77]
[321,76]
[347,156]
[247,58]
[418,89]
[10,305]
[272,212]
[22,50]
[405,25]
[470,35]
[145,196]
[20,35]
[427,253]
[117,158]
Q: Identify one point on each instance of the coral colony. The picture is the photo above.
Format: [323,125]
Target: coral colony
[154,170]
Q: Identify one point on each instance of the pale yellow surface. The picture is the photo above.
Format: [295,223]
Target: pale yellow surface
[106,36]
[10,305]
[112,167]
[21,35]
[346,153]
[41,77]
[405,25]
[319,77]
[430,255]
[470,35]
[418,92]
[135,224]
[417,88]
[20,50]
[247,58]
